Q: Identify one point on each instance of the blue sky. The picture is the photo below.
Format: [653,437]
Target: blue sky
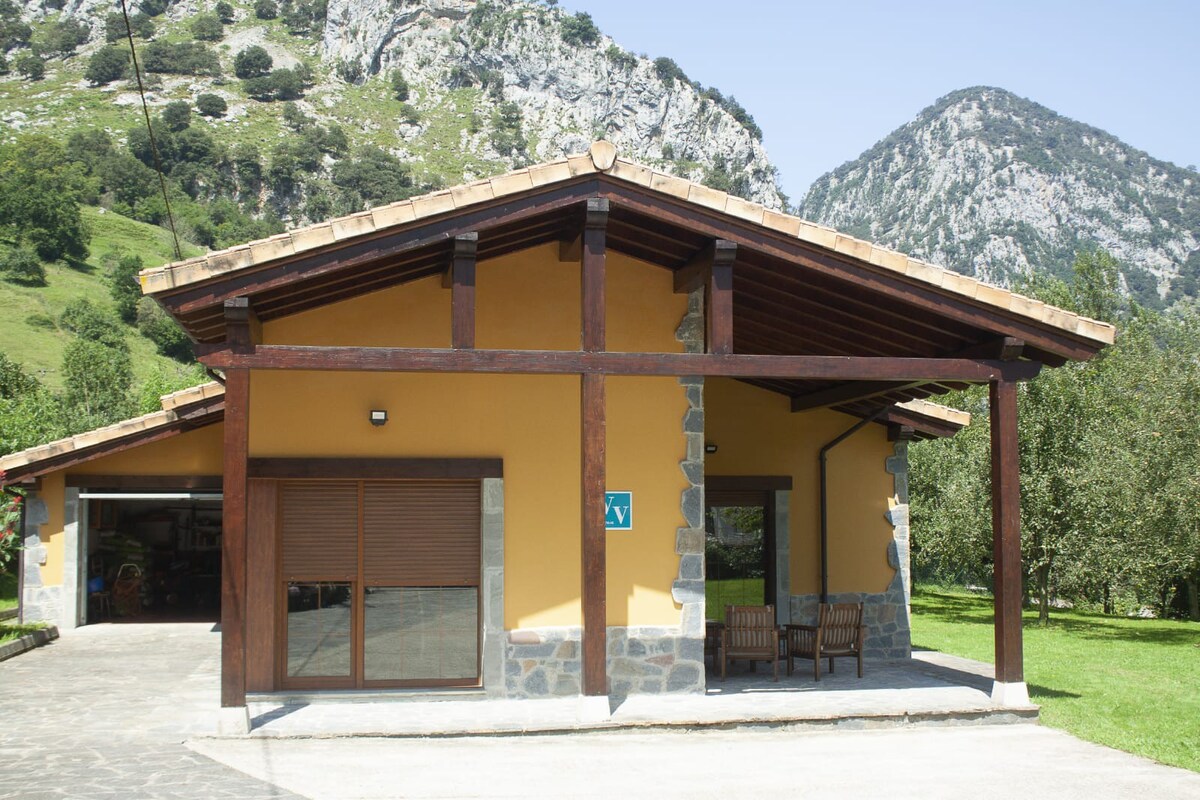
[827,80]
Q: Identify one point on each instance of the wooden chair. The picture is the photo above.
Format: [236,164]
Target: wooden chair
[839,632]
[749,633]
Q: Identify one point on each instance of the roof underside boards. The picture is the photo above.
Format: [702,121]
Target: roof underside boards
[798,289]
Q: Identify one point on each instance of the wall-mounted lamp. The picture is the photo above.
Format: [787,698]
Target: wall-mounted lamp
[710,448]
[378,417]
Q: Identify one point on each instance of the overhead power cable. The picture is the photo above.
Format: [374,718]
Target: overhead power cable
[162,181]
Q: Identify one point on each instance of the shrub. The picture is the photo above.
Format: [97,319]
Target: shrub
[374,174]
[224,12]
[211,105]
[152,8]
[507,137]
[399,86]
[184,58]
[620,58]
[123,284]
[88,321]
[668,71]
[108,64]
[266,9]
[114,26]
[409,115]
[30,66]
[157,326]
[97,379]
[22,265]
[580,29]
[177,115]
[294,117]
[350,71]
[62,37]
[207,28]
[253,62]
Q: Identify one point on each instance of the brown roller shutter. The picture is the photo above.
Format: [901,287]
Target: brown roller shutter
[421,533]
[319,530]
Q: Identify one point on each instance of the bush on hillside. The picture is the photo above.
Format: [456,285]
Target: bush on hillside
[207,28]
[253,62]
[30,66]
[400,88]
[108,64]
[266,9]
[157,326]
[88,321]
[183,58]
[123,284]
[22,265]
[224,12]
[579,29]
[211,105]
[114,26]
[62,37]
[177,115]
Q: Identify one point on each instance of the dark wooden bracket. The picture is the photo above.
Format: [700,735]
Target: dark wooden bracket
[459,278]
[243,331]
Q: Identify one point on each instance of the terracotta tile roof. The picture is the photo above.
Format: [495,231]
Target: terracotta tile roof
[936,411]
[602,158]
[170,414]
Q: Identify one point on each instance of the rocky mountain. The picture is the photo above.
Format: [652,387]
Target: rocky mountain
[489,85]
[994,185]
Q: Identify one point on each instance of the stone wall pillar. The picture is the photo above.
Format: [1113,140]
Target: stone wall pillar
[492,552]
[39,603]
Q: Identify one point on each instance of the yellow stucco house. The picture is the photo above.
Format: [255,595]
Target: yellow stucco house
[530,433]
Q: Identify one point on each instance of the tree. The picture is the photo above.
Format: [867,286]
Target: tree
[106,65]
[123,285]
[177,115]
[62,37]
[253,62]
[207,28]
[224,12]
[157,326]
[374,175]
[40,190]
[88,321]
[182,58]
[211,105]
[579,29]
[98,380]
[400,88]
[31,66]
[265,9]
[22,265]
[114,26]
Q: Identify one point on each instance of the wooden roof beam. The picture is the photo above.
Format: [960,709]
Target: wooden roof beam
[848,393]
[459,278]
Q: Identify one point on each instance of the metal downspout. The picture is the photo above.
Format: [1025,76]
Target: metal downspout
[825,498]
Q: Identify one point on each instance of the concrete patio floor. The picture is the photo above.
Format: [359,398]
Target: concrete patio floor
[931,688]
[127,711]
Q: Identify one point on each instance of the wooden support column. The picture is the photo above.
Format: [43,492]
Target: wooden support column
[1006,536]
[242,334]
[719,298]
[592,453]
[460,279]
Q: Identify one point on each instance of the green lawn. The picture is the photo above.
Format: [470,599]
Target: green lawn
[29,329]
[1132,684]
[14,631]
[731,592]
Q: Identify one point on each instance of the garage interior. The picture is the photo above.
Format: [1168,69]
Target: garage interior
[153,557]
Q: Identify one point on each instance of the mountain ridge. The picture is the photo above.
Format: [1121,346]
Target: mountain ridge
[997,186]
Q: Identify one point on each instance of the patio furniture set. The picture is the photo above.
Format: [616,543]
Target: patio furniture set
[749,633]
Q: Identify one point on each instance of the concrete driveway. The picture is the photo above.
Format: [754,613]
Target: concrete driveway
[123,711]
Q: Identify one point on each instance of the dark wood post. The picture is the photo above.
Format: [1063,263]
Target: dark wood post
[461,280]
[719,300]
[592,453]
[242,333]
[1006,531]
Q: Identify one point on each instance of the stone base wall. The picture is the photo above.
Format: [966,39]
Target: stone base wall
[39,602]
[546,662]
[885,615]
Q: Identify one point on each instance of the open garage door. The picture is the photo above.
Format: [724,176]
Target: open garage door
[151,556]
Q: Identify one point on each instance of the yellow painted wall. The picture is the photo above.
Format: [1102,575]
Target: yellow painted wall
[756,434]
[196,452]
[524,300]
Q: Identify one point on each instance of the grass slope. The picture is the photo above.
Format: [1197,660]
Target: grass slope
[1132,684]
[29,332]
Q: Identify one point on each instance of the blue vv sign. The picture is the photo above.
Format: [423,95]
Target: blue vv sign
[618,511]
